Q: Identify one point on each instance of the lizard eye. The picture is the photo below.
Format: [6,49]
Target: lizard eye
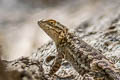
[52,22]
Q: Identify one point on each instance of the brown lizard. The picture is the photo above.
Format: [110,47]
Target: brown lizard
[84,58]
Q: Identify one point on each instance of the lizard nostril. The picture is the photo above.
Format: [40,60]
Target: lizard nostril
[40,22]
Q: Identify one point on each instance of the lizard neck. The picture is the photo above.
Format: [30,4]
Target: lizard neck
[63,41]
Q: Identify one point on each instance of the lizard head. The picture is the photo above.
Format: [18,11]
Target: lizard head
[54,29]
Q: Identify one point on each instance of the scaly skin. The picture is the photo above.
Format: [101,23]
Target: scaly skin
[84,58]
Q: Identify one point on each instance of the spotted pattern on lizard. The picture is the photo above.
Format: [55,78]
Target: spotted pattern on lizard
[84,58]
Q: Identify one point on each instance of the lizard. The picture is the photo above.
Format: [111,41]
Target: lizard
[85,59]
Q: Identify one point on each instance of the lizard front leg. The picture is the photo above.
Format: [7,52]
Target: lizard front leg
[57,63]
